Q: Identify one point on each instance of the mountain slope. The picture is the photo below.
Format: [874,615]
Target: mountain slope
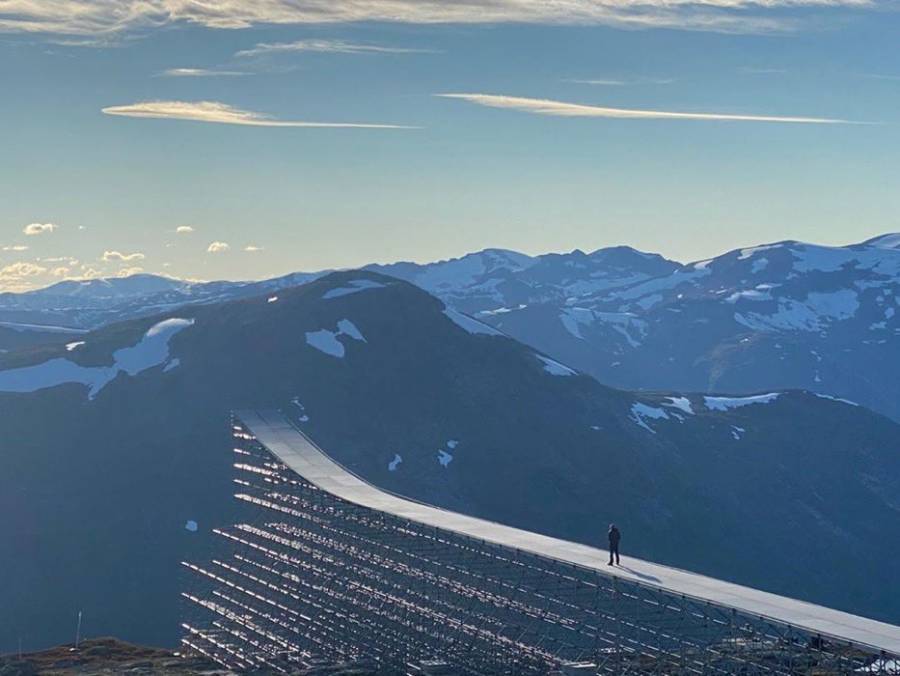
[114,450]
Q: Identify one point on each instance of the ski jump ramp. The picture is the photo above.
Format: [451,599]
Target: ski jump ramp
[329,567]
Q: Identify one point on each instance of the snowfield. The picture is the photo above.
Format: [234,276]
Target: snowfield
[327,341]
[152,350]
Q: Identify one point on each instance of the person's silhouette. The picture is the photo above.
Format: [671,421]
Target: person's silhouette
[614,537]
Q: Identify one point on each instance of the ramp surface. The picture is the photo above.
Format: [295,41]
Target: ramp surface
[302,456]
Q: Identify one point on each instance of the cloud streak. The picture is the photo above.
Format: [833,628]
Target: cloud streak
[608,82]
[100,19]
[199,72]
[563,109]
[326,47]
[222,113]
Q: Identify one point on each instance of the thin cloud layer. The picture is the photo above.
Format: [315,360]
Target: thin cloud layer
[326,47]
[222,113]
[103,18]
[563,109]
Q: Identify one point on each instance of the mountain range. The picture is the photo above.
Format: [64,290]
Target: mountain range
[117,461]
[787,315]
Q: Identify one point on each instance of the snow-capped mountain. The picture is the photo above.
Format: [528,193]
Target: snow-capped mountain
[784,315]
[117,461]
[776,316]
[74,306]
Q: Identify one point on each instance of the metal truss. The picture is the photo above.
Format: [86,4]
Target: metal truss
[309,577]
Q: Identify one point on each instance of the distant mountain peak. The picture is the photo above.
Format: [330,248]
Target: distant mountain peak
[890,240]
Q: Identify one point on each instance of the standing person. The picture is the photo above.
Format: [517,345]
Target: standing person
[614,537]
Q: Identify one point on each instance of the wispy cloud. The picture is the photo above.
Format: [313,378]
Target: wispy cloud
[327,47]
[200,72]
[15,247]
[218,247]
[33,229]
[608,82]
[563,109]
[252,248]
[222,113]
[100,19]
[119,257]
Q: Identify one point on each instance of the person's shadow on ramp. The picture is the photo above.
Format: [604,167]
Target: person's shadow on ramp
[641,576]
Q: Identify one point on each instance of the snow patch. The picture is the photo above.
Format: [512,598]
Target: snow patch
[444,458]
[681,403]
[354,286]
[74,346]
[469,324]
[748,253]
[627,324]
[395,463]
[749,294]
[501,311]
[641,414]
[891,241]
[833,398]
[576,317]
[172,365]
[666,282]
[464,272]
[191,526]
[737,432]
[808,315]
[554,367]
[17,326]
[729,403]
[152,350]
[272,299]
[301,415]
[327,341]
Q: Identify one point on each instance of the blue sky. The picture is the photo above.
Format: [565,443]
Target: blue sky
[124,121]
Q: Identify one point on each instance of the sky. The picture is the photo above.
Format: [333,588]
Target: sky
[246,140]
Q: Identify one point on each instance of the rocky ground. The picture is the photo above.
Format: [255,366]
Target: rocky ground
[109,656]
[104,656]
